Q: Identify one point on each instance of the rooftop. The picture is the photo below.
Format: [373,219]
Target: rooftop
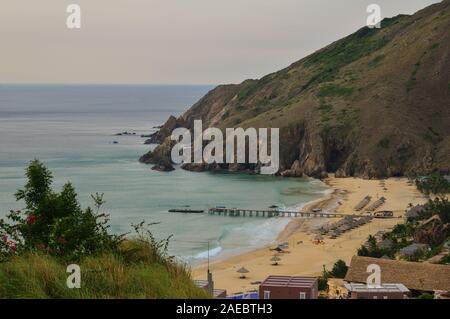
[414,275]
[413,248]
[288,281]
[384,288]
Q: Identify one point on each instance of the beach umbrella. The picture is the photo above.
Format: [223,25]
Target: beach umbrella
[242,271]
[275,260]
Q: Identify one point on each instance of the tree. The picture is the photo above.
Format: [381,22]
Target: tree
[323,280]
[434,184]
[54,222]
[439,206]
[340,269]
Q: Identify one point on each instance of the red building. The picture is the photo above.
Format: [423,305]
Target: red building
[287,287]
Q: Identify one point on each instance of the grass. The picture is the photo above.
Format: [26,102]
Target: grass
[324,107]
[333,90]
[133,272]
[249,87]
[329,61]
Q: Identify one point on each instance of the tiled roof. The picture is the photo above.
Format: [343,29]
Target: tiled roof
[288,281]
[414,275]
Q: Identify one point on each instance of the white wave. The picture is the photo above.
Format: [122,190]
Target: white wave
[212,252]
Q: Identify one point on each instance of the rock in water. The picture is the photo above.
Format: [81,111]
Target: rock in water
[165,130]
[294,171]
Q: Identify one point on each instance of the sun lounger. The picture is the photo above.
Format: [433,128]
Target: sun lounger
[376,204]
[363,203]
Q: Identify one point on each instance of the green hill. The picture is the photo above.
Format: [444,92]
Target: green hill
[374,104]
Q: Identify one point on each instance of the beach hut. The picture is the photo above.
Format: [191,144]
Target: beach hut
[413,249]
[416,276]
[366,200]
[385,291]
[242,271]
[335,234]
[275,260]
[287,287]
[344,228]
[385,244]
[414,212]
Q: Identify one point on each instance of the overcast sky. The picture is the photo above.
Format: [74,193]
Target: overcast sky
[172,41]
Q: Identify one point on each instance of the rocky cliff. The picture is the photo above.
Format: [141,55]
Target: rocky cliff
[374,104]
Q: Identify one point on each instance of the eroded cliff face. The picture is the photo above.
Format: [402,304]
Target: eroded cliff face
[374,104]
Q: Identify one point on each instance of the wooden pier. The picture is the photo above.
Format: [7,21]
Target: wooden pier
[237,212]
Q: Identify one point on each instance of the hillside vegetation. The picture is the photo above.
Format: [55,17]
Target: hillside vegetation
[53,232]
[374,104]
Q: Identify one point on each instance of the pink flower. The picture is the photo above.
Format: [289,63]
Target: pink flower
[31,219]
[5,238]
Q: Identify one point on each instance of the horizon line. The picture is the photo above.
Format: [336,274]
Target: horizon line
[104,84]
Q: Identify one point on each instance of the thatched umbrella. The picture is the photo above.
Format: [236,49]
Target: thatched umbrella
[275,260]
[242,271]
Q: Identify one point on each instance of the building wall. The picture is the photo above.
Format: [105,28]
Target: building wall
[378,295]
[289,292]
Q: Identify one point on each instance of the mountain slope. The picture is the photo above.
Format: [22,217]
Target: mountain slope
[374,104]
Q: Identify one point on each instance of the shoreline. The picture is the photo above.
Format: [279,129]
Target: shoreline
[291,227]
[296,223]
[305,257]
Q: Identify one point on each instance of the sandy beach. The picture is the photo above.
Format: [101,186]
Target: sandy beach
[306,257]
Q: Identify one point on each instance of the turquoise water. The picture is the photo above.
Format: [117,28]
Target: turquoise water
[71,129]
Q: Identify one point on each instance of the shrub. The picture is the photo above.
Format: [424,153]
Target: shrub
[332,90]
[225,115]
[426,296]
[328,62]
[438,206]
[340,269]
[323,283]
[38,244]
[434,184]
[54,222]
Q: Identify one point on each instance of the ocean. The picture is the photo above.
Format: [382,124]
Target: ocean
[71,128]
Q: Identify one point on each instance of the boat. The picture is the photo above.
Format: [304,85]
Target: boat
[186,211]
